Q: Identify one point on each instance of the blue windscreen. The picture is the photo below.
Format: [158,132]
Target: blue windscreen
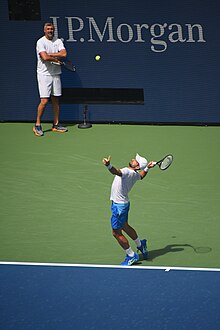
[168,49]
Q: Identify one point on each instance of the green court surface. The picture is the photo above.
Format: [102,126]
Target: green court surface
[55,203]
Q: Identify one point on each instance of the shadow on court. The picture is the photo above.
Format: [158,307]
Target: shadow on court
[172,248]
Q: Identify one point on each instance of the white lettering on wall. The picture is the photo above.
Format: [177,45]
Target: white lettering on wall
[157,35]
[108,27]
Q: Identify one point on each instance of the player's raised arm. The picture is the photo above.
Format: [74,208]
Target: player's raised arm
[112,169]
[144,172]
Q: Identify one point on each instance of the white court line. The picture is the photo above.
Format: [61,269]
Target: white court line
[51,264]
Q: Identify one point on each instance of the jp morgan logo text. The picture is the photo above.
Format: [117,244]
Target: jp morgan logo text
[157,35]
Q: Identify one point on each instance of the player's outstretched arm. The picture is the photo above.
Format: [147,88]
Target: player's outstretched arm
[144,172]
[112,169]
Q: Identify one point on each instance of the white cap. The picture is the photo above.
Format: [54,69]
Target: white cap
[142,161]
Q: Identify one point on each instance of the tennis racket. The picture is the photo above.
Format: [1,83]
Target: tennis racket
[67,65]
[165,162]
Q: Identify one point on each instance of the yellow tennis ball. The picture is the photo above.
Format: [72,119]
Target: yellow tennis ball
[98,57]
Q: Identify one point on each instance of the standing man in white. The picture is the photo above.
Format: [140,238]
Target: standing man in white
[123,182]
[49,52]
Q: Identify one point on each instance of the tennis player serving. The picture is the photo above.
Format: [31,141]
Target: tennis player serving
[124,180]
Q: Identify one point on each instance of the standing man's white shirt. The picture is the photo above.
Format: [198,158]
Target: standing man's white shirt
[49,46]
[122,185]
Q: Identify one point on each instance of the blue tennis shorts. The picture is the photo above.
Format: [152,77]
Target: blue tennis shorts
[119,214]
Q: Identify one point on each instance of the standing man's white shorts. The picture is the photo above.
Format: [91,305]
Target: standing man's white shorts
[49,85]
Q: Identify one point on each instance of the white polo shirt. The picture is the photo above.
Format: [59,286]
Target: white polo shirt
[49,46]
[122,185]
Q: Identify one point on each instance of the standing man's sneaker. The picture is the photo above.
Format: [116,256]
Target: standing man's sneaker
[37,129]
[59,128]
[143,248]
[130,260]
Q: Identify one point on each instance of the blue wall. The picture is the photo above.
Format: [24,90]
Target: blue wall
[170,48]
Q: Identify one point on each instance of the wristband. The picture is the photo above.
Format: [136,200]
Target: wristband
[146,169]
[109,166]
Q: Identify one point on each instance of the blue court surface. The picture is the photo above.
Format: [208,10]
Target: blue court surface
[65,296]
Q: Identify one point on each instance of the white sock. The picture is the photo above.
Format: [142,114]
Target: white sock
[138,242]
[129,252]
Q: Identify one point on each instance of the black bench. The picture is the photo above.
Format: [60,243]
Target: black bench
[101,96]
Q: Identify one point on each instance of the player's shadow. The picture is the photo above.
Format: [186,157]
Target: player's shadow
[171,248]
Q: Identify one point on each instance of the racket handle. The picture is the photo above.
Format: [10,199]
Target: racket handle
[56,63]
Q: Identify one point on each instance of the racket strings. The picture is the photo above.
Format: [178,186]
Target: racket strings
[166,162]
